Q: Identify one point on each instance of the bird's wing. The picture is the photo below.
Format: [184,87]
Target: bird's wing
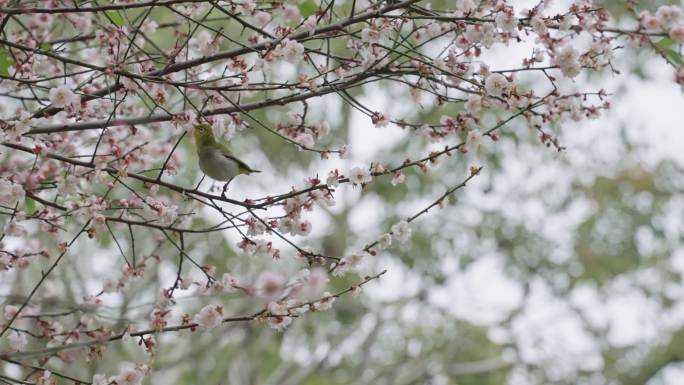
[225,151]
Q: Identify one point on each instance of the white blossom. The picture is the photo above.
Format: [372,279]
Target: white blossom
[360,176]
[384,241]
[17,340]
[473,139]
[568,61]
[496,84]
[62,96]
[401,231]
[10,193]
[332,180]
[507,22]
[101,379]
[473,104]
[130,376]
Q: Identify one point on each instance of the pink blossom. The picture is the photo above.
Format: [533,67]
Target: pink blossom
[209,317]
[279,322]
[668,14]
[677,33]
[398,178]
[291,13]
[290,50]
[312,283]
[325,303]
[269,285]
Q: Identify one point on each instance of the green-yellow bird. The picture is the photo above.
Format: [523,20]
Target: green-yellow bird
[215,159]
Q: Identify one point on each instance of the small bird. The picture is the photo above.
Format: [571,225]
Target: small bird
[215,159]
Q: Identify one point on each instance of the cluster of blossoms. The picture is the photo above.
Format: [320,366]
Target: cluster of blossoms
[294,128]
[131,375]
[401,232]
[283,300]
[94,129]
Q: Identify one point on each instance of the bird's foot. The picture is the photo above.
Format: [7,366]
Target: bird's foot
[225,188]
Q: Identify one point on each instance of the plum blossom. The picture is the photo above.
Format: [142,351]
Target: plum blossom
[649,21]
[385,241]
[132,376]
[668,14]
[62,96]
[101,379]
[248,6]
[325,303]
[496,84]
[506,21]
[379,119]
[398,178]
[333,179]
[166,213]
[44,378]
[291,13]
[473,139]
[18,127]
[568,61]
[677,33]
[262,18]
[371,34]
[17,340]
[159,318]
[290,50]
[312,283]
[279,322]
[350,262]
[209,317]
[10,193]
[473,104]
[359,176]
[310,23]
[401,231]
[254,226]
[269,285]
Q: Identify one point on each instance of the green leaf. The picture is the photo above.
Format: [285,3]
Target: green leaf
[674,56]
[664,45]
[30,205]
[308,8]
[5,62]
[116,17]
[665,42]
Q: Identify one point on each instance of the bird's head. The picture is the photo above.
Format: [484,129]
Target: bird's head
[204,134]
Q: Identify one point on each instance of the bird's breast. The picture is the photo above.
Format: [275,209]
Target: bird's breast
[216,166]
